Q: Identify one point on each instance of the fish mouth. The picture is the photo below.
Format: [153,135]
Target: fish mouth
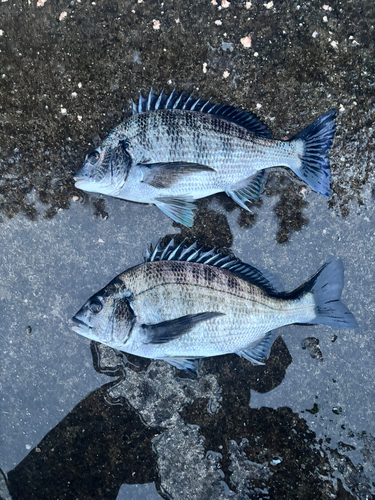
[79,326]
[79,180]
[84,185]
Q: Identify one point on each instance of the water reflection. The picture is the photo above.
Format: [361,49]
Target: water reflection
[89,454]
[138,492]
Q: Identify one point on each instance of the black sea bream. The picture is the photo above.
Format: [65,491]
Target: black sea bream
[176,149]
[185,303]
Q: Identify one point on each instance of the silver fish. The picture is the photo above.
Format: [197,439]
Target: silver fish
[176,149]
[185,303]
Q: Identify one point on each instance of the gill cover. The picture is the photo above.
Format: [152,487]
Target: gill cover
[107,317]
[105,169]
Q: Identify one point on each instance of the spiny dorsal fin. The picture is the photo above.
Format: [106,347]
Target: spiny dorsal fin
[200,255]
[185,102]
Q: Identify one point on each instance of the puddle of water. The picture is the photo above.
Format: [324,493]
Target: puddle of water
[138,492]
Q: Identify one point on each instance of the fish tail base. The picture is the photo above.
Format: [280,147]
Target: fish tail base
[326,287]
[314,162]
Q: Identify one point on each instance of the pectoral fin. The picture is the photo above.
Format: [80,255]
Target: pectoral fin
[180,209]
[165,175]
[160,333]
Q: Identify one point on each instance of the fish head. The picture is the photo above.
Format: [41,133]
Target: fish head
[106,168]
[107,317]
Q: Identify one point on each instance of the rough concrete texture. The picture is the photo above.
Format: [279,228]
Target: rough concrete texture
[300,427]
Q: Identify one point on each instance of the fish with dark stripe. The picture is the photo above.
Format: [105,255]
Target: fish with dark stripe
[185,303]
[176,149]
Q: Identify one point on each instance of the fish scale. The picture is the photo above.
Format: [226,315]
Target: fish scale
[185,303]
[205,140]
[202,139]
[175,149]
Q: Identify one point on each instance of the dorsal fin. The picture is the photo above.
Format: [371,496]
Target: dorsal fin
[185,102]
[200,255]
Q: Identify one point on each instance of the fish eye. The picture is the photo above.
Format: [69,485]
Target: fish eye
[95,306]
[124,143]
[93,157]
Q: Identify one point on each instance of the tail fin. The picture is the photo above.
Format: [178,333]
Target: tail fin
[317,140]
[326,286]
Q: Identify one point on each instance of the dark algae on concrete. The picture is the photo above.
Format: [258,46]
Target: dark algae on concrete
[69,72]
[300,427]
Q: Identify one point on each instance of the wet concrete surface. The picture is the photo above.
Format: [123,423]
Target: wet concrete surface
[75,423]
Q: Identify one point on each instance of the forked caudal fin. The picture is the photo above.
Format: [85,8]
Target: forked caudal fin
[317,141]
[326,286]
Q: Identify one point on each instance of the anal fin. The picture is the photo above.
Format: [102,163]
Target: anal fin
[258,352]
[189,365]
[178,208]
[250,191]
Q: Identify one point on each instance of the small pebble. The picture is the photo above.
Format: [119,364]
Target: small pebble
[246,41]
[276,461]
